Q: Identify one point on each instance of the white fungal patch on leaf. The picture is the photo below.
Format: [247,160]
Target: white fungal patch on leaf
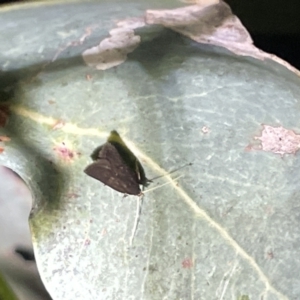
[113,50]
[279,140]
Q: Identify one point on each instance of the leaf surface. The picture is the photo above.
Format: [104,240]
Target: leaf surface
[225,227]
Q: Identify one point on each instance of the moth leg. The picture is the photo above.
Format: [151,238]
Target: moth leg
[137,170]
[137,217]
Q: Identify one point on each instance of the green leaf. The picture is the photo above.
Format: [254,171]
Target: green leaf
[243,297]
[6,292]
[226,225]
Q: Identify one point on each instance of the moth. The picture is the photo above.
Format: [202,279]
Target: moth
[117,167]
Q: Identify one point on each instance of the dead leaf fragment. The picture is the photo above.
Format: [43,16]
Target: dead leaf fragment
[212,24]
[279,140]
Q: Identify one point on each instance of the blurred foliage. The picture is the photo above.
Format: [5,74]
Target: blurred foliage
[6,292]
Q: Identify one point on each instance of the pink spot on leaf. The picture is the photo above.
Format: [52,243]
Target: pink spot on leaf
[187,263]
[270,254]
[65,152]
[72,195]
[88,77]
[279,140]
[4,138]
[205,129]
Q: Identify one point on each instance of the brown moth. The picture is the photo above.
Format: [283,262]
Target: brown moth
[117,167]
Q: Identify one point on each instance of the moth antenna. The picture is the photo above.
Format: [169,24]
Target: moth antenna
[189,164]
[154,188]
[137,217]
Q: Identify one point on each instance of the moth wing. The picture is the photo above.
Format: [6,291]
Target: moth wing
[125,181]
[119,177]
[109,152]
[124,175]
[100,170]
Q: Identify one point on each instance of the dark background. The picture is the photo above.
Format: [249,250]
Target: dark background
[273,24]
